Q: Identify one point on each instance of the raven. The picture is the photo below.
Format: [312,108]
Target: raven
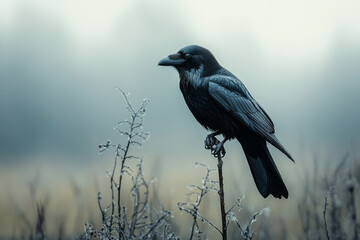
[221,103]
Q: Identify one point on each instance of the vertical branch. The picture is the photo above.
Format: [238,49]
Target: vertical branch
[326,203]
[135,123]
[351,189]
[124,157]
[222,198]
[103,214]
[112,189]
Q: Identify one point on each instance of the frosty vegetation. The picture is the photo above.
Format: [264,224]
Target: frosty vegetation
[327,204]
[143,221]
[231,215]
[331,216]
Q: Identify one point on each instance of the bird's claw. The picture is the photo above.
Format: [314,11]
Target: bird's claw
[219,150]
[216,147]
[211,142]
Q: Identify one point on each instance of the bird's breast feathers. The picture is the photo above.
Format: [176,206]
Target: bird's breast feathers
[192,76]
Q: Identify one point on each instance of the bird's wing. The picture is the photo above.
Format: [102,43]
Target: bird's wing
[232,96]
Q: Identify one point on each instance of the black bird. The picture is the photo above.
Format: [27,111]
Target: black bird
[221,103]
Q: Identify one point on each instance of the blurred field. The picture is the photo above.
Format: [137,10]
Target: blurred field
[70,198]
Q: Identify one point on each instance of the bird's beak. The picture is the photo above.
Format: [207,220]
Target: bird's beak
[172,60]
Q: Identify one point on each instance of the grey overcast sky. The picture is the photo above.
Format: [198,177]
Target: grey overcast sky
[60,62]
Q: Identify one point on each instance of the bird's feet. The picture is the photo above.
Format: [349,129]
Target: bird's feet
[219,150]
[211,141]
[216,147]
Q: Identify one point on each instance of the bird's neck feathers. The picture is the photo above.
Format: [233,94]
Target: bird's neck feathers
[192,76]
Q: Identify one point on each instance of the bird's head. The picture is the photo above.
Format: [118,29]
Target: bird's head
[192,58]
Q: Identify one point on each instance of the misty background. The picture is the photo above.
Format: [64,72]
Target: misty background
[60,62]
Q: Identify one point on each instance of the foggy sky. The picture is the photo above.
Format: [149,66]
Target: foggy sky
[60,64]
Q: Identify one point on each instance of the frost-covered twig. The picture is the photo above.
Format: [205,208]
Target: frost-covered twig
[246,232]
[229,214]
[116,222]
[193,208]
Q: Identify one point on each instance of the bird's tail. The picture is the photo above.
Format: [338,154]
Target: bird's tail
[266,175]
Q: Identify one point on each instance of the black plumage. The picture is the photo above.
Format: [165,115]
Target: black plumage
[221,103]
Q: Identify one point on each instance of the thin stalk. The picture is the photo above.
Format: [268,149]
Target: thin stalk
[121,172]
[112,191]
[222,198]
[326,203]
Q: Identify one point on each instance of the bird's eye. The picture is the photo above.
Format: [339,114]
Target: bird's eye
[187,55]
